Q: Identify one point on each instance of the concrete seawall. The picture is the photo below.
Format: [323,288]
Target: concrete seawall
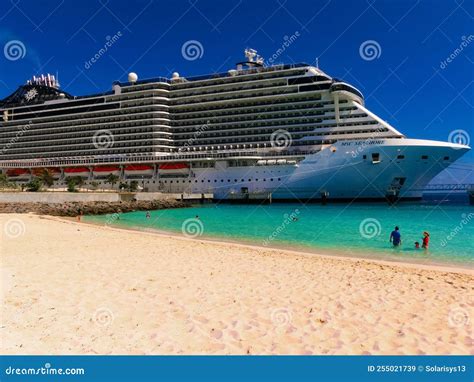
[65,197]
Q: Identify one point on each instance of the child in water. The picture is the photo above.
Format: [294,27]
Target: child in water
[426,240]
[417,245]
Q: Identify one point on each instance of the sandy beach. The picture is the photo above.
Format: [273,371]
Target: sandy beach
[74,288]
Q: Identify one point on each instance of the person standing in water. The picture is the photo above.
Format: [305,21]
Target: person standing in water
[148,216]
[426,240]
[396,237]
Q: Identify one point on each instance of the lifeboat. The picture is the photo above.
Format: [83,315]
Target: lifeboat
[173,169]
[77,171]
[103,171]
[18,173]
[139,170]
[54,171]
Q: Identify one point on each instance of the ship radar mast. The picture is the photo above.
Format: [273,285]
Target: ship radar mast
[44,80]
[253,60]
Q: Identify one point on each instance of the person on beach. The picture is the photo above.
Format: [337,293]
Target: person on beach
[396,237]
[79,216]
[426,240]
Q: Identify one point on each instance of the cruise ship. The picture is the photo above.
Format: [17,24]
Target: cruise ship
[255,132]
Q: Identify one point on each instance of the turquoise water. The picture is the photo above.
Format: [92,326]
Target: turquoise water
[348,229]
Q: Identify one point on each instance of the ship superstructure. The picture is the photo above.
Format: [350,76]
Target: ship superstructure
[254,132]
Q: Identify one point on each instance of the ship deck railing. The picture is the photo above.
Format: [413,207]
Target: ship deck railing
[89,161]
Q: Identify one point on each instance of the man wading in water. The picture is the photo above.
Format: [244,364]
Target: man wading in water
[396,237]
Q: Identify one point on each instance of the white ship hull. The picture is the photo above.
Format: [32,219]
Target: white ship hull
[337,172]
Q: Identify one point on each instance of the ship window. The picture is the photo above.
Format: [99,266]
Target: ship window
[401,157]
[446,158]
[364,157]
[424,157]
[375,157]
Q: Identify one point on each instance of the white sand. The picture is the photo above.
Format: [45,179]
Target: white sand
[73,288]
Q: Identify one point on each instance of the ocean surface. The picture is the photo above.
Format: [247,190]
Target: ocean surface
[346,229]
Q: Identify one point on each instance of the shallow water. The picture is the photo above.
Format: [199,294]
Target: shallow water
[348,229]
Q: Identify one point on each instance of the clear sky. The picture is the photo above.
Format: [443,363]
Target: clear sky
[416,71]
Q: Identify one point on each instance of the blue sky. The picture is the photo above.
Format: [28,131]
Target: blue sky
[408,82]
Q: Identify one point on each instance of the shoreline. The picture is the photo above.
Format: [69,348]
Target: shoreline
[300,251]
[73,287]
